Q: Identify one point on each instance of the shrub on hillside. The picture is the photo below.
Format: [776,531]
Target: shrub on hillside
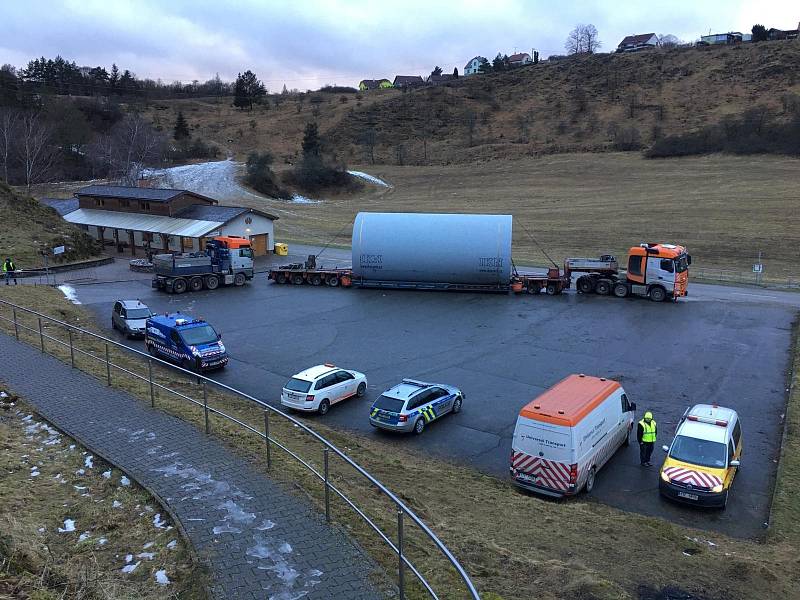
[316,172]
[260,177]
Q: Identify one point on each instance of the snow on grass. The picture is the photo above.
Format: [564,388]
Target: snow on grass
[89,462]
[225,529]
[370,178]
[298,199]
[116,504]
[107,474]
[124,481]
[146,555]
[172,544]
[158,523]
[130,568]
[161,577]
[69,525]
[70,293]
[84,536]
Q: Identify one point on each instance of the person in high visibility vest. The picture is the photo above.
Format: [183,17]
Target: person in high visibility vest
[646,436]
[9,270]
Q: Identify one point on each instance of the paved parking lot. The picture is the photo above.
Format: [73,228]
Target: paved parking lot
[722,344]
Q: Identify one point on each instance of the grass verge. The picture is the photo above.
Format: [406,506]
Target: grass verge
[71,523]
[513,545]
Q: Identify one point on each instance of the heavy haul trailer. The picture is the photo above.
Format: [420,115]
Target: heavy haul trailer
[225,261]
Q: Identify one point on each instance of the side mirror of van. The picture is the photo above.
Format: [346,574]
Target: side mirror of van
[633,406]
[665,448]
[734,463]
[219,335]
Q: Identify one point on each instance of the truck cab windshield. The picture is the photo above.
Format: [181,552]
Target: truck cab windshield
[681,263]
[246,252]
[699,452]
[197,336]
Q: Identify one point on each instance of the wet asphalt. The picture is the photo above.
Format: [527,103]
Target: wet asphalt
[722,344]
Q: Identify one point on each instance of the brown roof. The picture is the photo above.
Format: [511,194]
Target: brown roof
[518,57]
[407,79]
[634,40]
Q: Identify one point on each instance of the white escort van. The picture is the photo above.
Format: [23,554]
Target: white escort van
[563,437]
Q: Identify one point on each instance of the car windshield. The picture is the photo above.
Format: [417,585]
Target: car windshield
[197,336]
[246,252]
[137,313]
[681,263]
[390,404]
[699,452]
[297,385]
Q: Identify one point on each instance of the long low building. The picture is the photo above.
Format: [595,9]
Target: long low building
[163,220]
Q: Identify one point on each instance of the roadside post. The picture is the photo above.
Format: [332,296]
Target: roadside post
[758,269]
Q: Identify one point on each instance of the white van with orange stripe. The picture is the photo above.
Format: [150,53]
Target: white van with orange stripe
[563,437]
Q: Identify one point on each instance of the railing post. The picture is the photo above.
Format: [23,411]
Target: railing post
[41,334]
[108,367]
[266,437]
[16,325]
[327,487]
[71,349]
[150,378]
[205,403]
[401,566]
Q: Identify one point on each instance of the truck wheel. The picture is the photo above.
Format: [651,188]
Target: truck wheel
[280,278]
[239,279]
[585,285]
[333,281]
[552,289]
[315,279]
[657,294]
[196,284]
[603,287]
[533,288]
[324,407]
[590,481]
[179,286]
[212,282]
[297,279]
[620,290]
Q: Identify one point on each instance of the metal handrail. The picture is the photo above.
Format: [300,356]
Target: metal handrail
[402,509]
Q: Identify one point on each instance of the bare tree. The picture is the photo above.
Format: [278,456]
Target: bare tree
[471,121]
[8,128]
[400,152]
[574,43]
[591,39]
[583,40]
[669,41]
[368,139]
[134,144]
[34,149]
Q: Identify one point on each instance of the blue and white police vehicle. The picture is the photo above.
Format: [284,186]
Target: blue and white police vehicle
[412,404]
[191,343]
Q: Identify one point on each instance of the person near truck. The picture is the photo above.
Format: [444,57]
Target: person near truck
[646,436]
[10,270]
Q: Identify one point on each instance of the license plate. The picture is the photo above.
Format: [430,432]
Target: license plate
[688,496]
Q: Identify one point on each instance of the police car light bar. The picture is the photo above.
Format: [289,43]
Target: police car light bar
[709,420]
[416,382]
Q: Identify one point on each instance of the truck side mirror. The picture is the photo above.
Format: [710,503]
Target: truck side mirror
[633,406]
[734,463]
[665,448]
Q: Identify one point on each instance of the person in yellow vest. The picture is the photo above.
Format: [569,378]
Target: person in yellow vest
[646,435]
[10,270]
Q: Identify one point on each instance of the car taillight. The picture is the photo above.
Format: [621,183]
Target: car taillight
[310,398]
[402,418]
[573,473]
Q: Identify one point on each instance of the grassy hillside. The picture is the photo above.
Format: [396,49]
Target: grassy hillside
[587,103]
[27,227]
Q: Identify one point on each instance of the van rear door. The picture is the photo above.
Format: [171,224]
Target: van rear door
[542,454]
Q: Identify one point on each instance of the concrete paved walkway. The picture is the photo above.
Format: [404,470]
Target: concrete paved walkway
[260,541]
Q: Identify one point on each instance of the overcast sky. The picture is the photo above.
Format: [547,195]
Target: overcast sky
[309,43]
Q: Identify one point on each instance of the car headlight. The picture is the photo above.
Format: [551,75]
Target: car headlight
[195,351]
[221,347]
[717,489]
[664,476]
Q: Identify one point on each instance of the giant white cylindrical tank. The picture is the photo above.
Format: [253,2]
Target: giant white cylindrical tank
[433,248]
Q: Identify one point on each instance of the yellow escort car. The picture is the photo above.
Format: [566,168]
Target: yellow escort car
[703,458]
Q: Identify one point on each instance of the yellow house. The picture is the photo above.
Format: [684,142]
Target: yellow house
[374,84]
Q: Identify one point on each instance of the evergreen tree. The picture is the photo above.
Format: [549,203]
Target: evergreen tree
[247,90]
[759,33]
[181,128]
[437,70]
[311,142]
[455,73]
[485,66]
[113,78]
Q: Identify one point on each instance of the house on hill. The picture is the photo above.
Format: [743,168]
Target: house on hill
[374,84]
[517,60]
[474,65]
[635,43]
[401,81]
[163,220]
[714,39]
[440,79]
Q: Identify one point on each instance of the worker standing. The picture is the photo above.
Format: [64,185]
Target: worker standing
[646,435]
[10,270]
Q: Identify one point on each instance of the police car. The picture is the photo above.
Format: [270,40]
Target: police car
[191,343]
[412,404]
[317,388]
[704,456]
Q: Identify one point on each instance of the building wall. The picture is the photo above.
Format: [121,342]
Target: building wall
[147,207]
[239,227]
[184,200]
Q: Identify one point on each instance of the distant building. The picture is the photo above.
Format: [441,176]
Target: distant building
[374,84]
[716,39]
[783,34]
[635,43]
[473,67]
[401,81]
[517,60]
[440,79]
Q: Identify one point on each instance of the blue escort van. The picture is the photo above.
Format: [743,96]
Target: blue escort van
[191,343]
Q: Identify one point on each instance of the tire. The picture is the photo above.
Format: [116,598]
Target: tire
[620,290]
[151,349]
[212,282]
[419,426]
[239,279]
[113,324]
[188,364]
[196,284]
[533,288]
[590,481]
[280,278]
[658,294]
[333,281]
[297,279]
[315,279]
[603,287]
[324,407]
[725,501]
[179,286]
[585,285]
[362,389]
[457,405]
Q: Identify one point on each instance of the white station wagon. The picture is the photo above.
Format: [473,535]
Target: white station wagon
[317,388]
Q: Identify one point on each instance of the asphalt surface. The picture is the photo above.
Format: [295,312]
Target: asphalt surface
[721,344]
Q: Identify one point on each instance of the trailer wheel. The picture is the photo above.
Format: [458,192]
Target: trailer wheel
[315,279]
[212,282]
[297,279]
[603,287]
[657,294]
[552,289]
[533,288]
[280,278]
[196,284]
[179,285]
[239,279]
[620,289]
[333,281]
[585,285]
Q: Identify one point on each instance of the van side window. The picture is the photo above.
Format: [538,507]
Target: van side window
[635,265]
[176,339]
[731,450]
[737,433]
[666,265]
[626,406]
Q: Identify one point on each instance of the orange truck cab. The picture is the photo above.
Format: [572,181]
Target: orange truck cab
[659,271]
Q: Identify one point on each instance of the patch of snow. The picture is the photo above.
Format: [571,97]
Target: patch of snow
[267,524]
[148,545]
[42,529]
[172,544]
[70,293]
[107,474]
[80,472]
[124,481]
[285,548]
[128,558]
[235,513]
[370,178]
[130,568]
[298,199]
[79,487]
[146,555]
[102,542]
[158,523]
[69,525]
[260,550]
[72,446]
[225,529]
[116,504]
[89,462]
[216,179]
[85,535]
[161,577]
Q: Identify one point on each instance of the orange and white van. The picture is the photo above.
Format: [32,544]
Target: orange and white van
[563,437]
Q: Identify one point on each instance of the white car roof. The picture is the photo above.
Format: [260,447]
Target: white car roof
[314,373]
[403,391]
[133,304]
[706,430]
